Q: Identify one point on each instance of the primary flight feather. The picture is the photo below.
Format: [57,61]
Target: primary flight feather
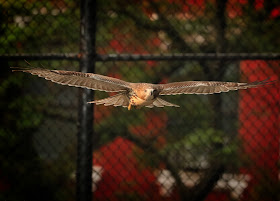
[135,94]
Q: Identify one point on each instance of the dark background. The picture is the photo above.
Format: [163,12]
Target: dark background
[148,154]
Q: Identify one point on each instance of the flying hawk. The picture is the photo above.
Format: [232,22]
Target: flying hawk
[135,94]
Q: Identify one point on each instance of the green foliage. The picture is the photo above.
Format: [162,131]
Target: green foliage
[22,171]
[35,26]
[31,26]
[22,168]
[199,148]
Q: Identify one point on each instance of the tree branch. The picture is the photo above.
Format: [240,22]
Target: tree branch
[185,193]
[207,183]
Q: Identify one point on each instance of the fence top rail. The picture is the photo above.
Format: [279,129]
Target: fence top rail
[143,57]
[188,56]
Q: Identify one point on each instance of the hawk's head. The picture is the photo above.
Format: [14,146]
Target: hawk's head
[150,93]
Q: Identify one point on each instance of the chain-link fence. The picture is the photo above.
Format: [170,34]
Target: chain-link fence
[214,147]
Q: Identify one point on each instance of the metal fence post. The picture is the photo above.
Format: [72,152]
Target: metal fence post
[85,130]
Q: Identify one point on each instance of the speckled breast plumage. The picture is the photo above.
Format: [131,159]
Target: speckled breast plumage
[134,100]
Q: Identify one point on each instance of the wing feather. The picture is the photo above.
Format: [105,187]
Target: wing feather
[120,99]
[161,103]
[206,87]
[119,102]
[79,79]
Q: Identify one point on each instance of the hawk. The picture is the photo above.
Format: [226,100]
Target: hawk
[135,94]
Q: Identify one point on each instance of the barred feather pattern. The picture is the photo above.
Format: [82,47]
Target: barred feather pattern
[206,87]
[78,79]
[136,94]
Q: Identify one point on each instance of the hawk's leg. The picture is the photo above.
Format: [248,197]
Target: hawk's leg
[129,106]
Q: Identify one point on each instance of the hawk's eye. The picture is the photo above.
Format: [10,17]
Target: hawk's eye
[145,90]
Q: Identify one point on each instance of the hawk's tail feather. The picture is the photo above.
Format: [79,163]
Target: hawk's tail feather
[119,99]
[161,103]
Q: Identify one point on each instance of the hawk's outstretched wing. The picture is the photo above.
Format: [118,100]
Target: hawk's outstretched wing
[205,87]
[78,79]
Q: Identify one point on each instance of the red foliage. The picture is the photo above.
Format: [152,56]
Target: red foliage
[115,75]
[101,112]
[218,195]
[259,116]
[259,4]
[191,7]
[275,12]
[234,8]
[123,174]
